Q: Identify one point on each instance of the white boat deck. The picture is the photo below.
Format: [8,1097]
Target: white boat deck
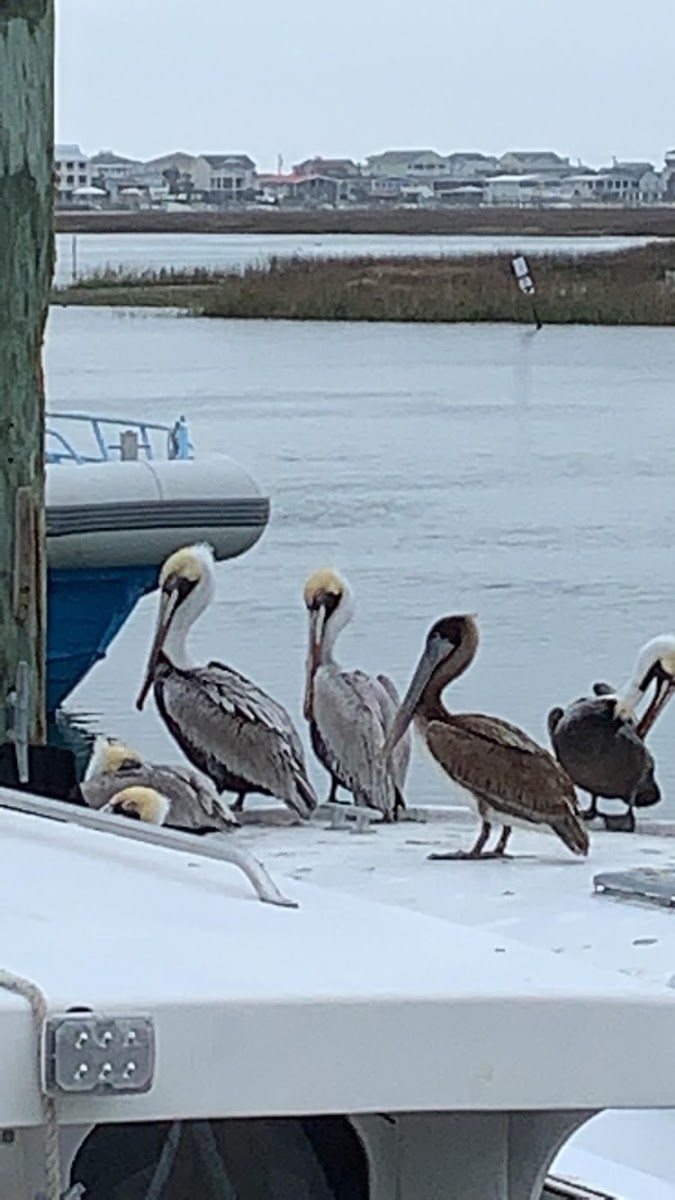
[418,985]
[543,897]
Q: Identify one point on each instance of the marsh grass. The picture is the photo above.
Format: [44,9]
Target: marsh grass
[629,287]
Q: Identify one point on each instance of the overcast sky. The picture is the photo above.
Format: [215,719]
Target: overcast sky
[589,78]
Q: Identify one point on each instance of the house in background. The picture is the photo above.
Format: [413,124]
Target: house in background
[419,165]
[183,174]
[72,172]
[629,183]
[329,168]
[519,190]
[469,166]
[231,178]
[113,168]
[544,163]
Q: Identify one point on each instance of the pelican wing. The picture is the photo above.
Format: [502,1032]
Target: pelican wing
[501,763]
[194,800]
[401,756]
[349,711]
[226,721]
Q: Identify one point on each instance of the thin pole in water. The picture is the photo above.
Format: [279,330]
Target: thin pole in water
[521,270]
[73,246]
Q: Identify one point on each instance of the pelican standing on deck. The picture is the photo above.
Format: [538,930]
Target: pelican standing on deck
[193,803]
[511,779]
[599,741]
[227,727]
[349,712]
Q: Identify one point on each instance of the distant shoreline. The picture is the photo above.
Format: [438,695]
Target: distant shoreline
[526,222]
[635,286]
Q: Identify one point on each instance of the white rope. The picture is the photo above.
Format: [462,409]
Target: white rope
[38,1003]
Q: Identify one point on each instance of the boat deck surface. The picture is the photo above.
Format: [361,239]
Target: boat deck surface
[543,896]
[415,985]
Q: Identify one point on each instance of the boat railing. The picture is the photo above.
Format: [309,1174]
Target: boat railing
[107,440]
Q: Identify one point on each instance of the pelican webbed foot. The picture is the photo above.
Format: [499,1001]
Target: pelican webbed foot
[478,850]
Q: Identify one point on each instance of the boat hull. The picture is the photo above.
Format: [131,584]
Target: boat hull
[86,610]
[109,528]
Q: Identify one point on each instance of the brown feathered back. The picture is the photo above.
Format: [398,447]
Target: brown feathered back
[500,763]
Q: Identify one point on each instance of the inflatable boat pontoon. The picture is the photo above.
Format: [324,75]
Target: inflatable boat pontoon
[116,507]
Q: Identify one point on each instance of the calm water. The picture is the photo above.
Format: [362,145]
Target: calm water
[526,478]
[96,252]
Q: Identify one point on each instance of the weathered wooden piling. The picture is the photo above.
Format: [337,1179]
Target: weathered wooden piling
[26,262]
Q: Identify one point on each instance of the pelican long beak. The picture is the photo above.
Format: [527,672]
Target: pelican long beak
[317,622]
[406,710]
[167,611]
[665,690]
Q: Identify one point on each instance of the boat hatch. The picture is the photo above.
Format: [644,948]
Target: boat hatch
[650,885]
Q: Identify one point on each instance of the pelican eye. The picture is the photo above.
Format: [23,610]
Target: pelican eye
[180,584]
[327,600]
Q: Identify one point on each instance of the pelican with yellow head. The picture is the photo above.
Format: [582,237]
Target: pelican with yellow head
[195,805]
[140,804]
[227,726]
[349,712]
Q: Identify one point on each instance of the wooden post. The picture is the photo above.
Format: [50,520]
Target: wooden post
[26,264]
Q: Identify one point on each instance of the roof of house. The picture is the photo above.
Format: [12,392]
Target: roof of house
[325,162]
[539,156]
[461,155]
[276,179]
[218,161]
[68,150]
[627,168]
[402,155]
[107,156]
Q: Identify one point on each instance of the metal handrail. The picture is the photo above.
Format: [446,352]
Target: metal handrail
[178,439]
[218,846]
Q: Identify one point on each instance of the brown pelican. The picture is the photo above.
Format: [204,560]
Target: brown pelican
[599,742]
[140,804]
[226,726]
[511,779]
[194,804]
[349,712]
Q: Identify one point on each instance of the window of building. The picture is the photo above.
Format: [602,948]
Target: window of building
[70,179]
[70,166]
[83,178]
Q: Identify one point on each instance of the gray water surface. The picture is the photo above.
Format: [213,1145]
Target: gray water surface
[523,477]
[144,251]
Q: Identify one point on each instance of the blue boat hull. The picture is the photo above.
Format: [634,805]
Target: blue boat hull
[85,611]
